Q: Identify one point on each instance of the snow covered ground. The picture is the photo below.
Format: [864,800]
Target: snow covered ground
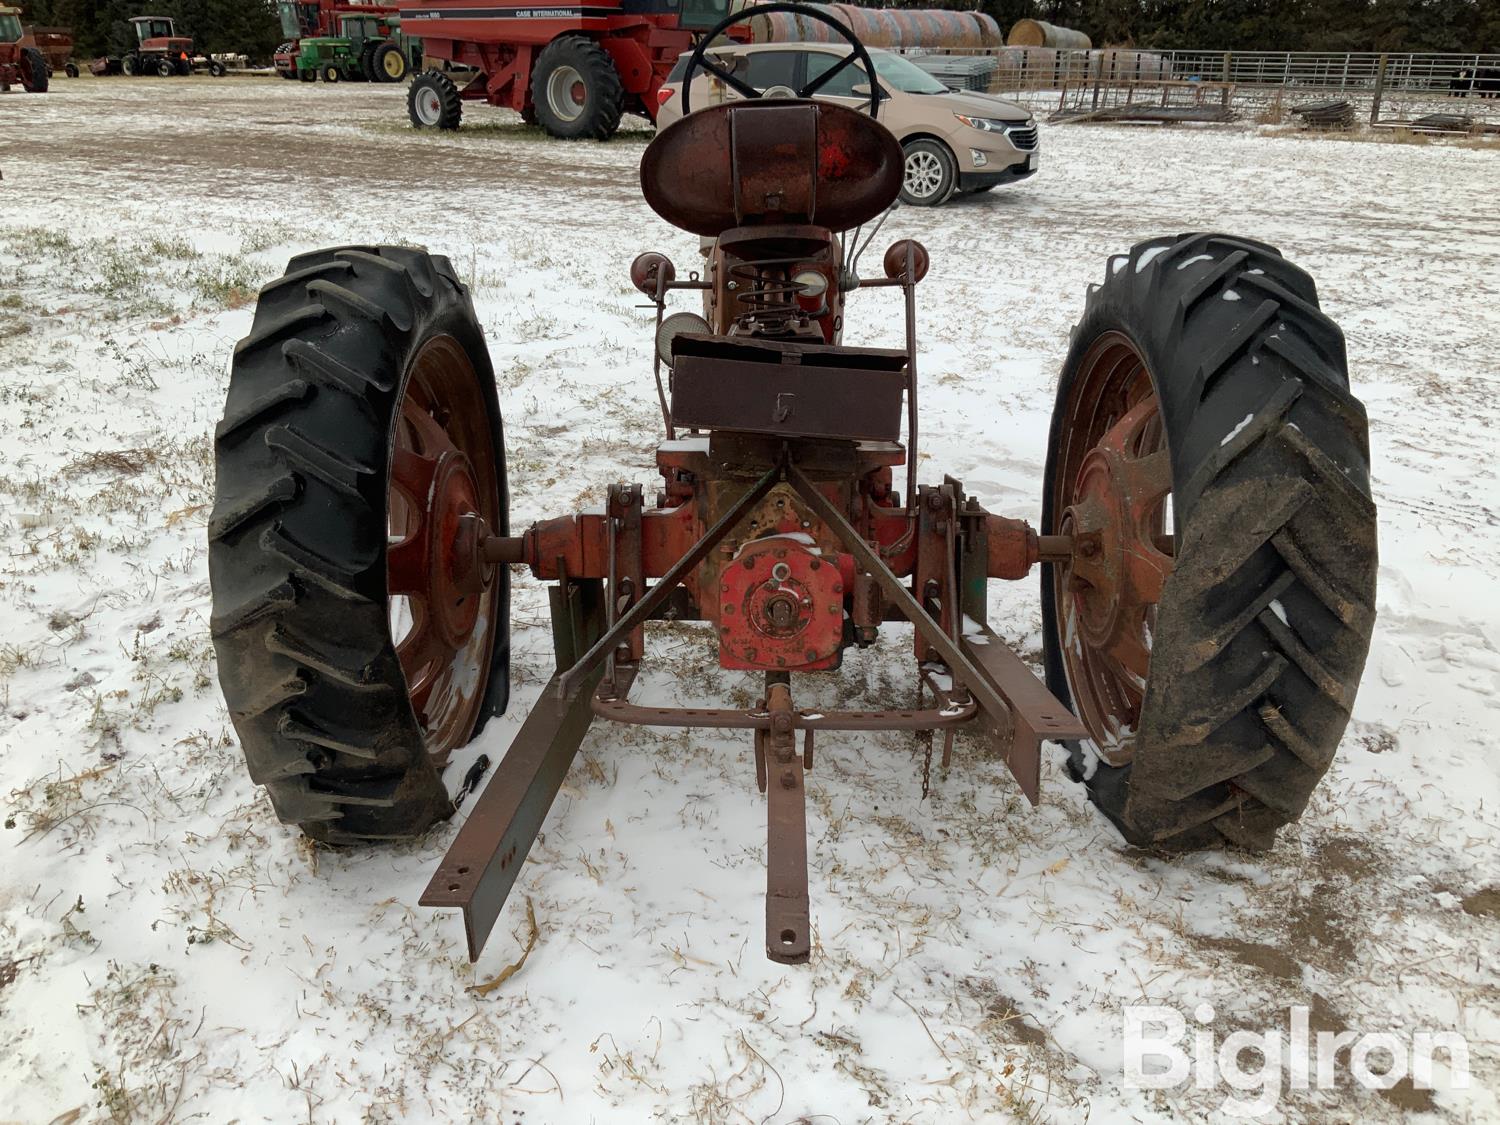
[169,952]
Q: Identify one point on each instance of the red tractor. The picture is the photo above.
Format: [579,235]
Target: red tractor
[20,64]
[573,69]
[1207,547]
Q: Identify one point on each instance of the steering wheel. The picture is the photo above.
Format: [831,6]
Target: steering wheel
[700,61]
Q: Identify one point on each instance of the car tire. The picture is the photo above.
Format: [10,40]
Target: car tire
[929,175]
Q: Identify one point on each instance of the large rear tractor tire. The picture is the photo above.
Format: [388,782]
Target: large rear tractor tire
[388,64]
[360,460]
[1213,469]
[432,101]
[576,90]
[35,77]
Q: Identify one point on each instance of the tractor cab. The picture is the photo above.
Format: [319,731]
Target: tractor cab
[298,19]
[154,33]
[10,25]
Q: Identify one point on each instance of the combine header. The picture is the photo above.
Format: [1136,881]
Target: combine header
[1207,545]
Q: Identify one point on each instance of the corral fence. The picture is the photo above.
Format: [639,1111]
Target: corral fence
[1124,83]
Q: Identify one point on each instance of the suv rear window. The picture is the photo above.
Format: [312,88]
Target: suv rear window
[762,69]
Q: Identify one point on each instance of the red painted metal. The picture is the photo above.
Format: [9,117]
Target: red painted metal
[1114,482]
[781,605]
[501,39]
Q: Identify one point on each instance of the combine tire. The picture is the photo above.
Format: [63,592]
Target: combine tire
[356,648]
[130,66]
[1216,669]
[930,174]
[576,90]
[182,67]
[388,63]
[432,101]
[34,75]
[165,69]
[71,70]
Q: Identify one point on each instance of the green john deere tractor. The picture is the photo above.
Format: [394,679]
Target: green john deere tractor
[367,48]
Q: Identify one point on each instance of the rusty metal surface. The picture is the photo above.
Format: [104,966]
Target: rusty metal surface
[788,916]
[787,400]
[640,612]
[689,177]
[1033,712]
[482,863]
[1024,707]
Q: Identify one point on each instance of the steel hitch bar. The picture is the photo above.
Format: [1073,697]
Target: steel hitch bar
[990,685]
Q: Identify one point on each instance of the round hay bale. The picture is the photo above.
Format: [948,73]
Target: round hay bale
[1039,33]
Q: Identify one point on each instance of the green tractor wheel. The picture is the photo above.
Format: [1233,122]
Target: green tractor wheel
[389,64]
[332,73]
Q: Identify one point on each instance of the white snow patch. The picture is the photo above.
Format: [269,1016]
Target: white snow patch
[1147,257]
[1279,611]
[1234,433]
[1195,258]
[1231,295]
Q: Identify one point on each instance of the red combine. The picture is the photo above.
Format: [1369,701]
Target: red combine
[573,69]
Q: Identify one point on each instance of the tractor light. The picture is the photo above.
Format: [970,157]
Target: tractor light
[810,284]
[674,326]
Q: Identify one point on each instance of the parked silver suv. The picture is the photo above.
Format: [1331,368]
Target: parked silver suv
[953,141]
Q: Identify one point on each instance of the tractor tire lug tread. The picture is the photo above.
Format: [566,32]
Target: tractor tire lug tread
[301,622]
[1264,626]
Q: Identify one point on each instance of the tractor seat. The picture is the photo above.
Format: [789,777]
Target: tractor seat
[771,161]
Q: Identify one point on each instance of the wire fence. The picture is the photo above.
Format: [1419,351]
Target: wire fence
[1384,89]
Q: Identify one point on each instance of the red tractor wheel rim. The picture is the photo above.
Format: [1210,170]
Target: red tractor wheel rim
[443,501]
[1113,487]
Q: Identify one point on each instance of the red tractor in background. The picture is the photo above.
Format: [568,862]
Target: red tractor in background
[20,64]
[158,50]
[572,69]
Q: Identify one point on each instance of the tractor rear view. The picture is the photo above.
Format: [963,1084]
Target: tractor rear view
[573,70]
[1206,553]
[20,64]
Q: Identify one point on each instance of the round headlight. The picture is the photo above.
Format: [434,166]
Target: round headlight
[810,283]
[674,326]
